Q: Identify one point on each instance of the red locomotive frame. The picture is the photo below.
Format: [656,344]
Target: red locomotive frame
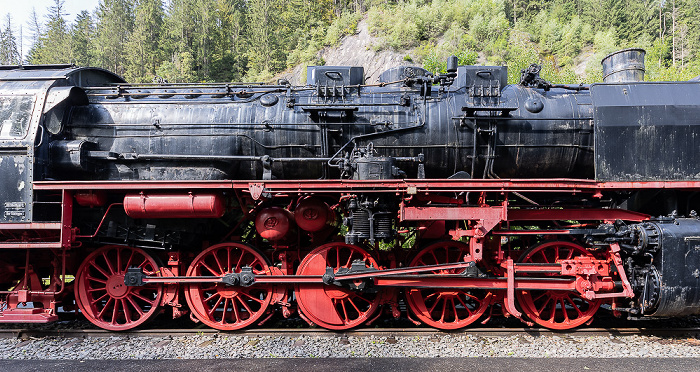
[558,284]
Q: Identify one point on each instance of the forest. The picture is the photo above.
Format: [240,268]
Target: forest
[242,40]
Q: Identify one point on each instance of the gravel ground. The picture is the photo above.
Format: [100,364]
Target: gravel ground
[229,346]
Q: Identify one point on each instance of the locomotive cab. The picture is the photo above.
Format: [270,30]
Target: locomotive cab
[34,101]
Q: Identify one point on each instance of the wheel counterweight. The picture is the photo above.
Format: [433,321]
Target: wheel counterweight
[222,306]
[330,306]
[103,297]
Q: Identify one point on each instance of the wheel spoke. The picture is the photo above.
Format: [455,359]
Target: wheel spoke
[245,305]
[115,312]
[544,304]
[147,266]
[93,279]
[214,272]
[216,306]
[570,255]
[109,301]
[349,299]
[432,253]
[553,309]
[92,302]
[109,264]
[444,310]
[251,297]
[136,306]
[536,299]
[141,297]
[128,262]
[563,309]
[358,297]
[119,263]
[228,259]
[346,317]
[469,295]
[127,316]
[211,297]
[238,264]
[454,308]
[236,313]
[469,311]
[574,305]
[218,263]
[223,313]
[437,301]
[94,264]
[347,264]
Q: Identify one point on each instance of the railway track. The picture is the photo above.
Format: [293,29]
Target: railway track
[361,332]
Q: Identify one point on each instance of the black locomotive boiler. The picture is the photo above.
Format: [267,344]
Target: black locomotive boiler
[445,198]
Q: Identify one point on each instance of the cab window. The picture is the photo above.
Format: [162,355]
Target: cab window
[15,113]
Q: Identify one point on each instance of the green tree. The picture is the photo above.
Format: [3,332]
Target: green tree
[8,44]
[54,40]
[35,30]
[115,21]
[264,52]
[143,48]
[228,58]
[81,33]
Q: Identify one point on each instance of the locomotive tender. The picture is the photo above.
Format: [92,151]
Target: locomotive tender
[449,198]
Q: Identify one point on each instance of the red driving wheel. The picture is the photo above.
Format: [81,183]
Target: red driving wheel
[228,307]
[103,297]
[446,308]
[556,309]
[331,306]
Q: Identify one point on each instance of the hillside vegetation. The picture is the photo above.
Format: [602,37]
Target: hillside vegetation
[241,40]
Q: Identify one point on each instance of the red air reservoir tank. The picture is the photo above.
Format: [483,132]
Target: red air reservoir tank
[313,214]
[174,205]
[274,223]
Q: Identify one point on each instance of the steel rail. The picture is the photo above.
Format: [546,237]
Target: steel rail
[24,333]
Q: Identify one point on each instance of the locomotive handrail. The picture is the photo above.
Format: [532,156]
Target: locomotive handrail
[504,184]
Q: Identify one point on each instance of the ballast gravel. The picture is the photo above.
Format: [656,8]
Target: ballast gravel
[232,346]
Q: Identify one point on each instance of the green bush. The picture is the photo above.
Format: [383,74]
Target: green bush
[346,24]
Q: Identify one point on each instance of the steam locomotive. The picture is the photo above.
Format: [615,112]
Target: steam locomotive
[446,198]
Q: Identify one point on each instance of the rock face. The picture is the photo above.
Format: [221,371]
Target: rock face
[355,50]
[359,50]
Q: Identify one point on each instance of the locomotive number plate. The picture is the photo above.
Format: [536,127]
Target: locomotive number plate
[15,209]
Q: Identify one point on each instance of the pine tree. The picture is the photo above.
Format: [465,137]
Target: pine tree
[82,31]
[228,61]
[54,41]
[263,47]
[179,40]
[8,44]
[115,21]
[143,50]
[35,29]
